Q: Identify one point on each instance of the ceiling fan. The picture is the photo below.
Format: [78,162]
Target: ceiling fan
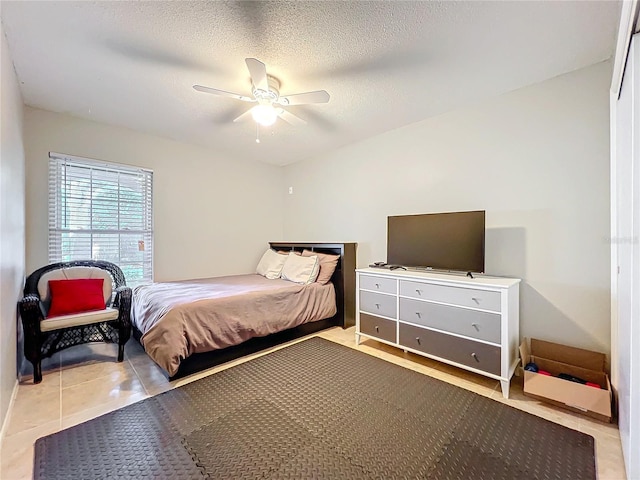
[266,93]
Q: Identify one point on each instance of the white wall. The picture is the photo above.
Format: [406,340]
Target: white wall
[11,223]
[212,215]
[536,159]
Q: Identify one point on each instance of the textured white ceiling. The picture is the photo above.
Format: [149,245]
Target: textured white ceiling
[385,64]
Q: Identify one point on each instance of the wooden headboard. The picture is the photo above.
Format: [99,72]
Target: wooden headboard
[343,279]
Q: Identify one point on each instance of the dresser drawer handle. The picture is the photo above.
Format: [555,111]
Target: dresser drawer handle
[418,314]
[476,299]
[418,340]
[377,329]
[419,292]
[475,325]
[475,357]
[377,285]
[378,306]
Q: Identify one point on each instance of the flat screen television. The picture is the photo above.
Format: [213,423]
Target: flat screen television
[440,241]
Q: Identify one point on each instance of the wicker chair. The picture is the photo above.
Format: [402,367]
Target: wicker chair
[43,337]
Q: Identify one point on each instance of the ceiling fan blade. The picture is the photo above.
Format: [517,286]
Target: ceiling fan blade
[243,116]
[223,93]
[258,72]
[319,96]
[290,117]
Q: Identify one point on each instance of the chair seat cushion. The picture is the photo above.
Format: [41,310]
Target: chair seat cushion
[74,320]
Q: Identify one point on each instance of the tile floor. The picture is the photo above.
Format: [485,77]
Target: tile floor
[85,382]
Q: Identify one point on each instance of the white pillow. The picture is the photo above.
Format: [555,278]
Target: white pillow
[271,264]
[300,269]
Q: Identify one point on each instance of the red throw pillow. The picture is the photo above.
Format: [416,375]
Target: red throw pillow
[75,296]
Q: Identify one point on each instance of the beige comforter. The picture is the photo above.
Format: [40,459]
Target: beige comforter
[178,319]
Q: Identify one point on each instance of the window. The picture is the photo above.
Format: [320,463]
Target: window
[101,211]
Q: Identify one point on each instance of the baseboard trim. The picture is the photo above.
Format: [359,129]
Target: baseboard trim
[5,421]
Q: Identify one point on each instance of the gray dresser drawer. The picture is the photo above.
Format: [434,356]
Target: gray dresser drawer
[471,323]
[378,327]
[378,303]
[466,297]
[460,350]
[378,284]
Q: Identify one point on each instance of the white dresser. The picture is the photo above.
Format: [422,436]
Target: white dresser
[472,323]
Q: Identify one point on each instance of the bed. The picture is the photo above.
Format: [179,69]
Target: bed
[188,326]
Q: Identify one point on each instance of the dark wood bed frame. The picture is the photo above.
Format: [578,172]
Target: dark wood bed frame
[344,281]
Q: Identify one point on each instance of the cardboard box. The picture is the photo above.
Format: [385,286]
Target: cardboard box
[555,359]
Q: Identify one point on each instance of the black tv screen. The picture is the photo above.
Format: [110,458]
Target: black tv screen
[441,241]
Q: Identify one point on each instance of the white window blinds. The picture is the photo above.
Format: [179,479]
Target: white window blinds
[101,211]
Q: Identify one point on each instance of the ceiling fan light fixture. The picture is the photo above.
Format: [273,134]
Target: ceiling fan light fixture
[266,93]
[265,115]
